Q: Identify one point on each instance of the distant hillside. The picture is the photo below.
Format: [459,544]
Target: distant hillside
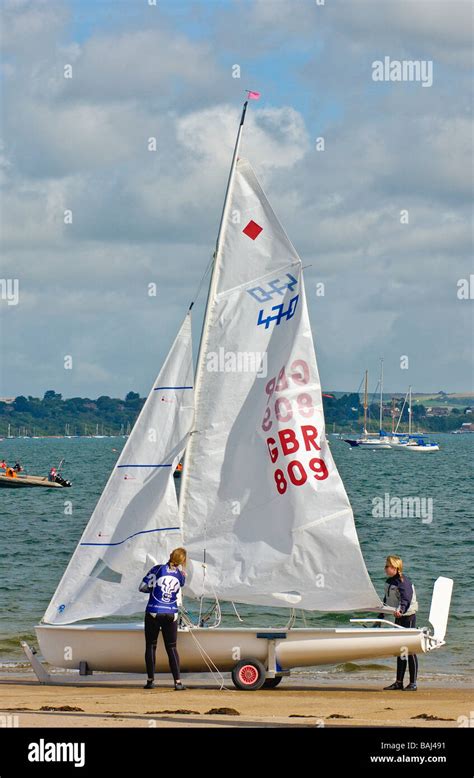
[428,398]
[53,415]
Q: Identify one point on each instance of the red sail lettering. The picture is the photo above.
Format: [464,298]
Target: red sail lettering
[310,434]
[288,442]
[272,451]
[303,376]
[282,381]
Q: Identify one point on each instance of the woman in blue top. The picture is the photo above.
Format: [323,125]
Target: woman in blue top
[163,583]
[400,594]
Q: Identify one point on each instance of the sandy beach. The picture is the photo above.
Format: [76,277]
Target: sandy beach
[110,701]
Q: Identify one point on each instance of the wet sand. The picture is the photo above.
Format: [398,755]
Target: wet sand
[110,701]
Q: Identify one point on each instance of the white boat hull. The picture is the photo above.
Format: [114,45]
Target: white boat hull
[426,448]
[373,445]
[121,647]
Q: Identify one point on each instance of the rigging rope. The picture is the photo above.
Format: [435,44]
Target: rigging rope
[198,291]
[236,612]
[211,666]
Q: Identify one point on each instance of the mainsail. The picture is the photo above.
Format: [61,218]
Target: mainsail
[262,502]
[136,518]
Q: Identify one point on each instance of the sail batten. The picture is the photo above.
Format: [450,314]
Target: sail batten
[262,500]
[136,518]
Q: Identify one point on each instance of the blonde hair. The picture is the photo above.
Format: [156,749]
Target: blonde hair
[397,563]
[178,557]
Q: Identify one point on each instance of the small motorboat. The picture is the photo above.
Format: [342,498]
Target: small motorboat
[20,481]
[14,478]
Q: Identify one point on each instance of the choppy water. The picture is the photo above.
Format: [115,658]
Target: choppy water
[37,538]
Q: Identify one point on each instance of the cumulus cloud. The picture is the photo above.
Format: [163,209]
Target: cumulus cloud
[31,27]
[141,216]
[442,30]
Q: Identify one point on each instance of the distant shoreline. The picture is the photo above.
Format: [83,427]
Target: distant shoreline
[54,417]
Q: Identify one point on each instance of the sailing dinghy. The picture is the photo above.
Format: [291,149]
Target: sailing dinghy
[262,512]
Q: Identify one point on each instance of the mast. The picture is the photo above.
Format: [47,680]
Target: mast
[381,395]
[365,402]
[210,296]
[401,412]
[409,410]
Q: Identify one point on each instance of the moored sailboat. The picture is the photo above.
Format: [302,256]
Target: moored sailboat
[410,441]
[374,441]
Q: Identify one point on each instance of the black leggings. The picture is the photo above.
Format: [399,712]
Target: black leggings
[407,621]
[165,622]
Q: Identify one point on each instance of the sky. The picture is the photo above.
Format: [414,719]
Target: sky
[381,216]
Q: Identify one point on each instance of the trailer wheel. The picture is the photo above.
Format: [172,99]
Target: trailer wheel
[272,683]
[248,675]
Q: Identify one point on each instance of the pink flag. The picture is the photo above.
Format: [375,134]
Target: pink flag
[253,95]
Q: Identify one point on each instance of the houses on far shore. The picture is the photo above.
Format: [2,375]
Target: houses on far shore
[468,426]
[444,410]
[441,410]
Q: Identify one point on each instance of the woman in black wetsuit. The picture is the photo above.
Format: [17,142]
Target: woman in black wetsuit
[163,583]
[400,594]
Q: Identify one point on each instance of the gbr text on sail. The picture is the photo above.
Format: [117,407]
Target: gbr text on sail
[293,442]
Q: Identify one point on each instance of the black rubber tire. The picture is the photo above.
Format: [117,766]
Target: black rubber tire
[251,679]
[272,683]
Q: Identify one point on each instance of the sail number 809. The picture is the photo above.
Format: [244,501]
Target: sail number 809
[298,475]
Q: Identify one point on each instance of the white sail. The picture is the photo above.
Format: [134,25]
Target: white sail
[136,519]
[262,500]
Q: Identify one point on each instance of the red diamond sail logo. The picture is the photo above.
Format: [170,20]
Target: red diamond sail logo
[252,230]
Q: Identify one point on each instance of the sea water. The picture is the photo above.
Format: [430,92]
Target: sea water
[39,533]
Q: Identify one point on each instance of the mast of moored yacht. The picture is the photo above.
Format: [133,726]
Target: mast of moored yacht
[381,395]
[210,295]
[365,402]
[401,413]
[409,410]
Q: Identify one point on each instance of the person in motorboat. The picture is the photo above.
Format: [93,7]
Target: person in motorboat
[3,465]
[10,472]
[17,467]
[400,594]
[52,474]
[62,481]
[163,583]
